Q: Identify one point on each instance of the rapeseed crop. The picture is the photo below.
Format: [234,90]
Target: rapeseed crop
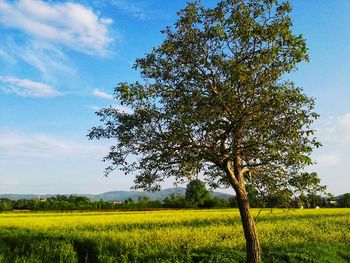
[309,235]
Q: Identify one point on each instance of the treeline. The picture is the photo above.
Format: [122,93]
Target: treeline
[56,203]
[196,196]
[285,199]
[68,203]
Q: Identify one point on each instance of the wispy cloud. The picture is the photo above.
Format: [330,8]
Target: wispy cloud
[27,88]
[93,107]
[332,159]
[46,58]
[131,8]
[67,24]
[15,145]
[336,129]
[101,94]
[6,57]
[49,60]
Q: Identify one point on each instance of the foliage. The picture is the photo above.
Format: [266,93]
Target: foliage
[66,203]
[344,200]
[307,235]
[254,197]
[59,202]
[196,193]
[216,202]
[311,201]
[5,205]
[314,200]
[205,200]
[232,201]
[213,101]
[175,201]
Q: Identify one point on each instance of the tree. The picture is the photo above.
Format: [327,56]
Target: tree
[174,201]
[5,204]
[281,199]
[232,201]
[344,200]
[314,200]
[143,199]
[216,202]
[212,100]
[253,195]
[196,193]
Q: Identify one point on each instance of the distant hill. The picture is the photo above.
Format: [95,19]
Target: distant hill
[118,195]
[124,195]
[23,196]
[340,196]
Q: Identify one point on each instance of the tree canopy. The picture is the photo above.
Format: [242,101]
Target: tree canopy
[213,100]
[196,193]
[213,96]
[344,200]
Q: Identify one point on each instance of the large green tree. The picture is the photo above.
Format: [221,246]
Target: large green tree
[196,193]
[344,200]
[212,100]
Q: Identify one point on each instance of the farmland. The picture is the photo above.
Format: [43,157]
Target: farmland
[310,235]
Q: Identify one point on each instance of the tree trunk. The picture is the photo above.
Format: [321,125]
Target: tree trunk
[250,233]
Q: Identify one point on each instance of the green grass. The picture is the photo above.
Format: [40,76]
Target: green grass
[321,235]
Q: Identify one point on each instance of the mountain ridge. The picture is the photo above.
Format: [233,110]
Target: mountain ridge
[117,195]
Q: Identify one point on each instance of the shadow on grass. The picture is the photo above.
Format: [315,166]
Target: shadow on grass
[37,247]
[29,246]
[307,252]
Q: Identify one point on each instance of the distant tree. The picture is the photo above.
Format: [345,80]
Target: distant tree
[129,200]
[330,200]
[196,193]
[216,202]
[271,198]
[233,201]
[302,201]
[143,199]
[344,200]
[254,197]
[314,200]
[280,198]
[212,100]
[5,204]
[174,201]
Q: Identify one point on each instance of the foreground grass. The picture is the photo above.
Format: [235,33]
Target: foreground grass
[321,235]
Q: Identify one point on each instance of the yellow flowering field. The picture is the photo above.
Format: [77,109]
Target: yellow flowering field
[291,235]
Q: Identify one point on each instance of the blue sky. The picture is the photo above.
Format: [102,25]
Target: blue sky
[59,62]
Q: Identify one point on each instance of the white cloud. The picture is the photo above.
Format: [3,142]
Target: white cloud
[50,61]
[101,94]
[130,8]
[93,107]
[328,159]
[332,159]
[6,57]
[27,88]
[67,24]
[339,129]
[46,58]
[16,145]
[43,163]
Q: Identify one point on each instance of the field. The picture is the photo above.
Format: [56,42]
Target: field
[321,235]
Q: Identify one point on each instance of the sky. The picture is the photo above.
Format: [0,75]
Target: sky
[59,63]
